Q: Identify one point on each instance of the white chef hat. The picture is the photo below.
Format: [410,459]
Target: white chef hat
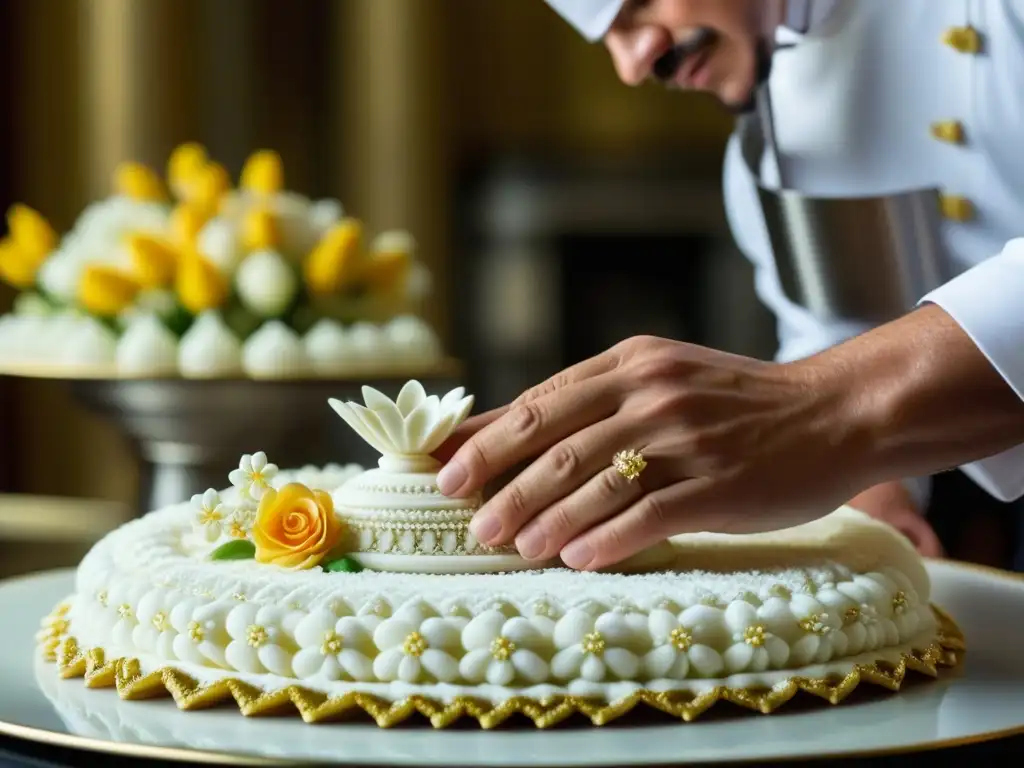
[592,18]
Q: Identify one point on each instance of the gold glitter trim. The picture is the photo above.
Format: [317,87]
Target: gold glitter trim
[125,675]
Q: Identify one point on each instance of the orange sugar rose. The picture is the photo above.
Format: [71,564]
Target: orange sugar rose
[295,527]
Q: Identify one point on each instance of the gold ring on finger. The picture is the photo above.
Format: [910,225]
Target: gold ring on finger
[629,464]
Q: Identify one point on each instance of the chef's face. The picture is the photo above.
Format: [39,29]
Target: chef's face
[708,45]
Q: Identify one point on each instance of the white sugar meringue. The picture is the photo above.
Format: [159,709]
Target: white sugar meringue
[90,344]
[219,242]
[209,349]
[30,303]
[324,214]
[59,276]
[147,348]
[329,349]
[368,343]
[274,352]
[266,283]
[412,340]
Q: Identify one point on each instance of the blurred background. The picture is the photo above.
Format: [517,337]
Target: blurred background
[548,200]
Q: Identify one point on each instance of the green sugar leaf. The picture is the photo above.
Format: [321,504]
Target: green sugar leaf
[239,549]
[343,565]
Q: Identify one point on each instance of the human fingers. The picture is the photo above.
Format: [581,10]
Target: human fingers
[602,497]
[551,480]
[466,430]
[574,374]
[921,535]
[696,505]
[525,431]
[646,522]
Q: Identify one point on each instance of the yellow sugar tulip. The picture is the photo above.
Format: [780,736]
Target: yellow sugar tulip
[334,263]
[210,186]
[136,181]
[387,270]
[200,285]
[17,267]
[184,168]
[106,291]
[259,230]
[187,221]
[31,231]
[263,173]
[154,260]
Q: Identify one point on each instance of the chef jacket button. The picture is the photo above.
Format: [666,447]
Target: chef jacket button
[949,130]
[963,39]
[956,208]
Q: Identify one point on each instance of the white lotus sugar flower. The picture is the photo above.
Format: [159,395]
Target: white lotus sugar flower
[414,424]
[211,515]
[595,650]
[500,650]
[754,648]
[253,476]
[258,639]
[334,648]
[676,651]
[414,649]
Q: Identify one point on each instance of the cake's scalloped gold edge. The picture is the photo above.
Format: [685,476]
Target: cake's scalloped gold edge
[125,676]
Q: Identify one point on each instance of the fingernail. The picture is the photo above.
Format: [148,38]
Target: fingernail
[451,478]
[530,544]
[484,527]
[578,555]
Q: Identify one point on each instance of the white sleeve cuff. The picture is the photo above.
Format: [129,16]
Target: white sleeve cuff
[988,303]
[920,490]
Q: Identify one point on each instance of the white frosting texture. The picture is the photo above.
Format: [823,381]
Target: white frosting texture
[143,592]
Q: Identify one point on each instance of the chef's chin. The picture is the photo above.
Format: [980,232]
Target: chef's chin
[745,101]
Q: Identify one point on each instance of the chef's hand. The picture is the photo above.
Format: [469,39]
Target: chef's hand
[892,503]
[732,445]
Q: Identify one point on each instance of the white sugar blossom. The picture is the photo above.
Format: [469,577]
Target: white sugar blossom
[201,634]
[239,525]
[595,650]
[754,647]
[414,649]
[821,637]
[258,640]
[336,649]
[869,625]
[676,653]
[253,476]
[502,650]
[154,632]
[210,519]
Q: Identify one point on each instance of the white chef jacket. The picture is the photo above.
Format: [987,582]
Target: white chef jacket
[881,96]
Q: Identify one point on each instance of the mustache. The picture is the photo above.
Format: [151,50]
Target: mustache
[669,64]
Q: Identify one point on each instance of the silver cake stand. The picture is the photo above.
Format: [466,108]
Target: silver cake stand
[190,433]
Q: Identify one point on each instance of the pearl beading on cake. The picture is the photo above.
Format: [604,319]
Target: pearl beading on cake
[139,594]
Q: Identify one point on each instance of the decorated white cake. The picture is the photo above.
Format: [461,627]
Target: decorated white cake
[341,589]
[200,280]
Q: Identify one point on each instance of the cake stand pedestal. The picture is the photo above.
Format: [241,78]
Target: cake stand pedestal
[190,433]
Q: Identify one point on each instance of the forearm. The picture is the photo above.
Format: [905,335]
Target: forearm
[921,397]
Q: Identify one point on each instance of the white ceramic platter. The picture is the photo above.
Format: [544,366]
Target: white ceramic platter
[983,699]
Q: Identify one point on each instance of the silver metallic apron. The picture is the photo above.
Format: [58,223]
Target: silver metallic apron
[865,258]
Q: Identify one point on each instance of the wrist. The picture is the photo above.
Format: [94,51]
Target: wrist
[921,397]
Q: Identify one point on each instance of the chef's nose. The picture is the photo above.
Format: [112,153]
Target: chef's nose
[634,51]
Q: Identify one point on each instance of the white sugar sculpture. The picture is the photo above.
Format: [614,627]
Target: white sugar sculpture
[396,518]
